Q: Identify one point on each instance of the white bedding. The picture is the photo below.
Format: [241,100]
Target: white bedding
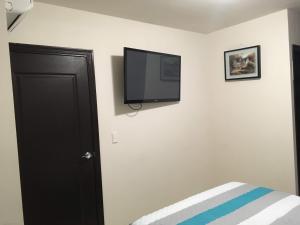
[169,210]
[233,203]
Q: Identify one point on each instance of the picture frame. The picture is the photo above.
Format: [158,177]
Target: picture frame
[243,63]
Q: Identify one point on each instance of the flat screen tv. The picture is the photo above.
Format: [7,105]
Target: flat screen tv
[151,76]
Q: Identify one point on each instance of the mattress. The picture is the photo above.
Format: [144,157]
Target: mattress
[230,204]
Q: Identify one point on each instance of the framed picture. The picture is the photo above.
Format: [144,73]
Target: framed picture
[242,63]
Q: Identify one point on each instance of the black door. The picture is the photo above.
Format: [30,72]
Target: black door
[296,70]
[56,118]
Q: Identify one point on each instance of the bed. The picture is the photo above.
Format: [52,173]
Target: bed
[230,204]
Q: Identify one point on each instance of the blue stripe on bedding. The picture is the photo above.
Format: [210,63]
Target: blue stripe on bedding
[227,207]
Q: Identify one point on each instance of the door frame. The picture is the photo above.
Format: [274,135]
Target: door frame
[294,49]
[88,54]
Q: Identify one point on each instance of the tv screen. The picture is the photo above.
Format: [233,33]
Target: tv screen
[151,76]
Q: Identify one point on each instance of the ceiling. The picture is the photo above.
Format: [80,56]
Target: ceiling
[202,16]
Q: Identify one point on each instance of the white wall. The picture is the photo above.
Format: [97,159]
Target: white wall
[219,132]
[252,127]
[163,155]
[10,196]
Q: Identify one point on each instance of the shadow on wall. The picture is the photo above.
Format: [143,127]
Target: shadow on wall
[118,89]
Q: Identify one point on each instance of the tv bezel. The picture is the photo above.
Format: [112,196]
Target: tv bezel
[126,101]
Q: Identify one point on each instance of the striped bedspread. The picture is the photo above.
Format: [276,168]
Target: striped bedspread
[230,204]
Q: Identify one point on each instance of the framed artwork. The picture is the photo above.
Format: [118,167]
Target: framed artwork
[242,63]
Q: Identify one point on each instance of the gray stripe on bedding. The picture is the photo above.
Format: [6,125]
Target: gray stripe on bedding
[203,206]
[291,218]
[250,209]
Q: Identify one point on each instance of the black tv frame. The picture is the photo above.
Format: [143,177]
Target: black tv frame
[126,101]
